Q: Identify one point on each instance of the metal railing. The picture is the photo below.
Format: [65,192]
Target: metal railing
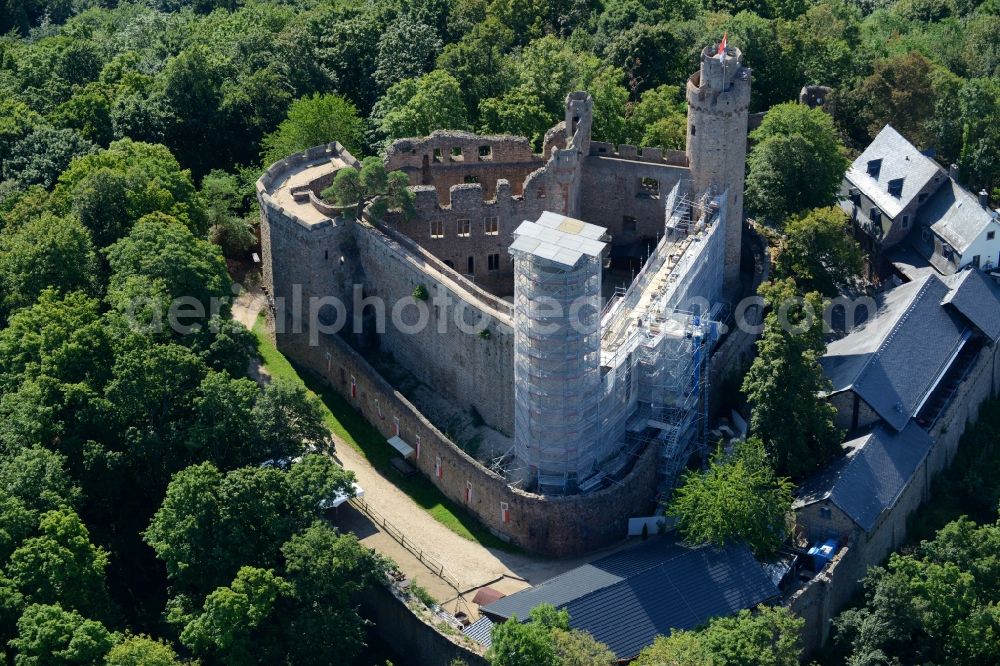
[432,563]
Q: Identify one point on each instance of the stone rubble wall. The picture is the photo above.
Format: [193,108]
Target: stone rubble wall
[559,526]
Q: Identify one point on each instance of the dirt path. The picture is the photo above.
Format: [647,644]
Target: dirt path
[473,564]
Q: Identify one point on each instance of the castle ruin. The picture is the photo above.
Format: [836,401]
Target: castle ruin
[587,422]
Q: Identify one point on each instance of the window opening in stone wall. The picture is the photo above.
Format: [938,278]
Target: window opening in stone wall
[485,153]
[464,228]
[437,229]
[456,154]
[471,180]
[693,130]
[649,187]
[326,255]
[472,265]
[494,262]
[492,226]
[629,224]
[449,263]
[437,155]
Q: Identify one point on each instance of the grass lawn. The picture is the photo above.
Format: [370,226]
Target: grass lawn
[349,425]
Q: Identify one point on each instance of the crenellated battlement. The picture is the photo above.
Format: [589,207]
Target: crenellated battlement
[648,154]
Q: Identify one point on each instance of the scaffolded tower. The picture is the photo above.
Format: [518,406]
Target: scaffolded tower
[557,347]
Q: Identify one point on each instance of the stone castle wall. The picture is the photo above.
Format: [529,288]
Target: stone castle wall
[474,371]
[447,158]
[558,526]
[829,593]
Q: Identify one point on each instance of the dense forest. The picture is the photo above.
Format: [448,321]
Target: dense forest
[136,525]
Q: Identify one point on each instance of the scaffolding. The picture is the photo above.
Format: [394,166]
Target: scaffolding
[657,339]
[593,391]
[557,344]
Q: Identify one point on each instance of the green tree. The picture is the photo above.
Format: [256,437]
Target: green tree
[240,624]
[819,252]
[477,63]
[659,119]
[61,565]
[903,92]
[328,571]
[47,252]
[385,191]
[797,163]
[223,201]
[160,248]
[60,336]
[522,644]
[38,477]
[196,130]
[47,634]
[211,524]
[406,50]
[142,650]
[88,112]
[785,383]
[738,498]
[521,112]
[578,648]
[937,604]
[315,120]
[287,418]
[417,107]
[153,183]
[764,637]
[43,154]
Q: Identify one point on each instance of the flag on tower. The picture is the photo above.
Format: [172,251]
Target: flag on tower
[722,47]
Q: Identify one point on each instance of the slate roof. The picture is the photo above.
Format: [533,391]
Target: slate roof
[955,215]
[480,631]
[900,159]
[869,479]
[895,359]
[626,599]
[977,297]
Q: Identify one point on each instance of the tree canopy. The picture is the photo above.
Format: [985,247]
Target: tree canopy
[820,254]
[796,163]
[762,637]
[785,383]
[739,498]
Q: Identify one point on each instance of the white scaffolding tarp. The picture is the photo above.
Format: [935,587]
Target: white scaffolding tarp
[400,445]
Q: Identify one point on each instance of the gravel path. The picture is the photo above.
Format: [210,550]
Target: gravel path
[473,564]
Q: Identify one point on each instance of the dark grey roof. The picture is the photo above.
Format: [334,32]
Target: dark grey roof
[869,479]
[895,359]
[977,297]
[627,599]
[955,215]
[480,631]
[900,159]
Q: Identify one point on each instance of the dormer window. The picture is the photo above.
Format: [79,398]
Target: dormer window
[896,187]
[874,167]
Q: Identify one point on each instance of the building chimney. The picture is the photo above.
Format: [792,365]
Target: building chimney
[953,172]
[984,198]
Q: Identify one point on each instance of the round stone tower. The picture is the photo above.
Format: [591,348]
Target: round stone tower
[718,97]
